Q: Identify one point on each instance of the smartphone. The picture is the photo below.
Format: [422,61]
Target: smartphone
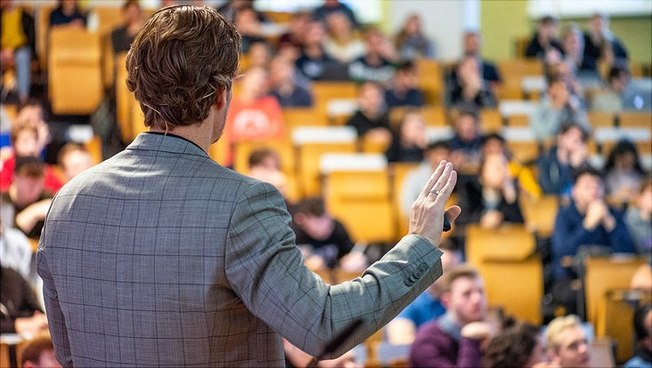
[447,223]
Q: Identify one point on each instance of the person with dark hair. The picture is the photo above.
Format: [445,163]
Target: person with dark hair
[610,99]
[284,85]
[19,309]
[409,139]
[166,257]
[26,203]
[411,42]
[39,353]
[544,39]
[557,108]
[17,45]
[601,44]
[403,89]
[313,59]
[377,62]
[68,13]
[466,144]
[557,166]
[334,6]
[491,198]
[643,331]
[623,173]
[495,143]
[466,87]
[133,20]
[371,120]
[265,165]
[516,346]
[587,221]
[323,238]
[472,45]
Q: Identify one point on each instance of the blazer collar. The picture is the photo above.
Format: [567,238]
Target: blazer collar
[165,142]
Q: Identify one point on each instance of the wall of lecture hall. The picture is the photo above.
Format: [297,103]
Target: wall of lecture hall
[507,20]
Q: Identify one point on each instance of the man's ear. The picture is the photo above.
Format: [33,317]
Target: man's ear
[222,98]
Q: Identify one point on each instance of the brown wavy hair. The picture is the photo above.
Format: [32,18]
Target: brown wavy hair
[180,60]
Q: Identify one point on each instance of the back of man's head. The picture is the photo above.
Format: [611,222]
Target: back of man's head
[181,61]
[29,166]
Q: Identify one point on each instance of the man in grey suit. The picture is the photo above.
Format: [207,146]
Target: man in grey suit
[161,257]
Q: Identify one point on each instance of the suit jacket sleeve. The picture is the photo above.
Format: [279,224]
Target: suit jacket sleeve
[56,320]
[265,269]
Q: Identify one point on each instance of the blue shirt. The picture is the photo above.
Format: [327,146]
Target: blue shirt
[424,308]
[570,235]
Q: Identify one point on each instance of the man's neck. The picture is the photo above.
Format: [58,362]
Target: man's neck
[198,135]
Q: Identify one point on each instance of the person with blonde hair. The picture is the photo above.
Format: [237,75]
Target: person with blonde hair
[567,343]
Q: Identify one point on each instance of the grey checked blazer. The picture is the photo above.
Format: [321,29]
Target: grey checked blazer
[160,257]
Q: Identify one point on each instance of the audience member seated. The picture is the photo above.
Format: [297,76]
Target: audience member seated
[517,346]
[557,166]
[19,310]
[291,42]
[376,64]
[455,339]
[492,198]
[123,36]
[265,165]
[249,26]
[231,8]
[495,143]
[643,331]
[403,90]
[254,113]
[472,44]
[68,13]
[342,43]
[26,141]
[73,159]
[623,173]
[289,93]
[414,181]
[409,141]
[544,40]
[586,222]
[557,108]
[295,357]
[39,353]
[467,88]
[17,45]
[639,220]
[371,121]
[334,6]
[600,44]
[610,98]
[15,250]
[426,307]
[567,345]
[312,56]
[260,54]
[466,144]
[322,239]
[26,203]
[411,42]
[563,70]
[573,48]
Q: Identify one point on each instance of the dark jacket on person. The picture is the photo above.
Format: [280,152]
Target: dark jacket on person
[17,300]
[535,49]
[363,124]
[471,199]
